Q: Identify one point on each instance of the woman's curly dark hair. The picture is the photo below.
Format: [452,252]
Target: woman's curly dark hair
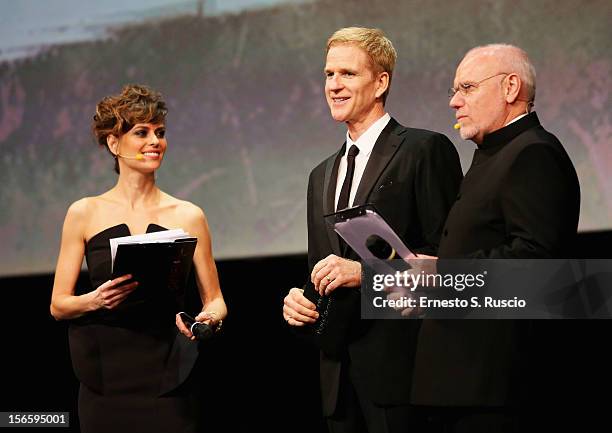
[117,114]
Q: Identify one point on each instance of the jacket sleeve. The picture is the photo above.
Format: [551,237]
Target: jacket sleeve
[437,180]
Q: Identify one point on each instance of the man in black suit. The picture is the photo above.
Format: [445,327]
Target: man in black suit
[412,177]
[519,199]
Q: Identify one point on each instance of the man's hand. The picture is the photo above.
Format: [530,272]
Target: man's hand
[397,293]
[297,309]
[333,272]
[421,265]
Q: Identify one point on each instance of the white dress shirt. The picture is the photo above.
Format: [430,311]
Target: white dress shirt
[365,143]
[516,118]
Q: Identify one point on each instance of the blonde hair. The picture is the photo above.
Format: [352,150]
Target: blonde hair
[379,48]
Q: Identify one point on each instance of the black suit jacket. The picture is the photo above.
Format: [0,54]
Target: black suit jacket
[412,177]
[519,199]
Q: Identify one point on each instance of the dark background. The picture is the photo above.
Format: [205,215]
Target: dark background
[259,377]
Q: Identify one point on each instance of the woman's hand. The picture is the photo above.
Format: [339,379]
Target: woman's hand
[211,318]
[112,293]
[184,329]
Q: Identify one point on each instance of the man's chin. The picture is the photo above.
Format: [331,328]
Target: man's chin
[338,116]
[468,132]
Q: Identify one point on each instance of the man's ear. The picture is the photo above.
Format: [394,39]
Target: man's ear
[112,142]
[383,84]
[512,88]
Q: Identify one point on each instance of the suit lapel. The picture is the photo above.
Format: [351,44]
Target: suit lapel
[329,196]
[385,147]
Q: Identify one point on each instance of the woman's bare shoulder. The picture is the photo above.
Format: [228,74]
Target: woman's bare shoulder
[185,208]
[88,205]
[80,208]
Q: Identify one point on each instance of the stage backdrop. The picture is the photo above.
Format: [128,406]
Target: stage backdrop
[248,119]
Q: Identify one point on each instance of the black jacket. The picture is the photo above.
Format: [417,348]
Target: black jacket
[412,177]
[519,199]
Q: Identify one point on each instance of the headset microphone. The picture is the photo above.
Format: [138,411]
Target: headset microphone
[457,125]
[138,156]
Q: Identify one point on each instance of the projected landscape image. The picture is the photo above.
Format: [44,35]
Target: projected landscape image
[248,120]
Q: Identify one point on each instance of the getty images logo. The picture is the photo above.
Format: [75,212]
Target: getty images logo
[412,280]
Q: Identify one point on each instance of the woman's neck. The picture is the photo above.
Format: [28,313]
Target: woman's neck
[137,190]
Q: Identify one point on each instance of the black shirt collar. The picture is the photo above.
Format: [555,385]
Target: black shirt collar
[508,132]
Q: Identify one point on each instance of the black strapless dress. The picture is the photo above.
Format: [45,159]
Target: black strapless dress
[132,362]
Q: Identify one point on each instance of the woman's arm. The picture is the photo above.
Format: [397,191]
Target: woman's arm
[64,304]
[214,309]
[206,270]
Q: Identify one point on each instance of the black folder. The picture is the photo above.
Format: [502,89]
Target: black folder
[161,269]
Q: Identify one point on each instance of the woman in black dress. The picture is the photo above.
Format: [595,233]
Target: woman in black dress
[129,357]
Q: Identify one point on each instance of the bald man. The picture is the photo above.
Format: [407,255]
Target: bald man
[519,199]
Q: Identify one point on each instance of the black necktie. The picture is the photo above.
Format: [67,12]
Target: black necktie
[326,303]
[345,192]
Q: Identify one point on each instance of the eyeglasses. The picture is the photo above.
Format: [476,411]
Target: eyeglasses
[467,87]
